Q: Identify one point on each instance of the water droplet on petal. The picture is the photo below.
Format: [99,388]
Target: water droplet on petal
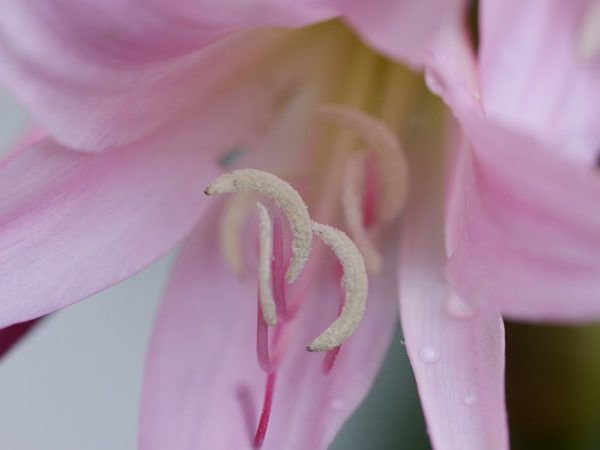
[470,399]
[458,308]
[337,405]
[434,82]
[402,341]
[429,355]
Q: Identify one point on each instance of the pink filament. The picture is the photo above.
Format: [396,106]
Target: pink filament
[331,355]
[262,342]
[278,268]
[370,191]
[263,423]
[329,360]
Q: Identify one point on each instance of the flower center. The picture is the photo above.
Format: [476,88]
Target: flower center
[350,168]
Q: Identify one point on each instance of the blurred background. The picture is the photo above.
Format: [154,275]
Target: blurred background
[74,383]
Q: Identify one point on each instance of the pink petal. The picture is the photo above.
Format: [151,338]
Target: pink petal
[98,74]
[518,237]
[534,77]
[403,29]
[73,223]
[203,386]
[457,352]
[527,229]
[451,72]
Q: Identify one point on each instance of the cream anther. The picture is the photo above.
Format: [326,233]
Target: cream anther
[589,35]
[352,207]
[285,197]
[355,283]
[391,162]
[265,284]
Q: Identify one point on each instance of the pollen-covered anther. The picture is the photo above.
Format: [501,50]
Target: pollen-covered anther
[285,197]
[391,161]
[589,34]
[265,239]
[355,283]
[354,181]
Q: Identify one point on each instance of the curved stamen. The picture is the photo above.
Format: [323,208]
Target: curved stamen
[278,268]
[331,355]
[262,342]
[285,197]
[234,214]
[265,278]
[356,286]
[392,164]
[353,213]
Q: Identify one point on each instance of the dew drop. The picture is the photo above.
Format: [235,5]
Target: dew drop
[429,355]
[337,405]
[470,399]
[458,308]
[434,82]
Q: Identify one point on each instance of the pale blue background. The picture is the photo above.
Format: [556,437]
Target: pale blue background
[75,383]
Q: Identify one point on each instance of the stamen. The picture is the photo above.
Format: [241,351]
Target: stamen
[265,280]
[233,218]
[285,197]
[278,268]
[392,164]
[331,355]
[356,286]
[262,342]
[263,423]
[589,37]
[353,211]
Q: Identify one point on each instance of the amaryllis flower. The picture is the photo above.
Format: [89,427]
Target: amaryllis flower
[147,105]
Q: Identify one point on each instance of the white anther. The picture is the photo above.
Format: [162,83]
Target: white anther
[391,161]
[265,284]
[589,35]
[355,283]
[234,214]
[352,206]
[285,197]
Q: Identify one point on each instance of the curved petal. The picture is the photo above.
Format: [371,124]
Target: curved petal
[519,238]
[456,351]
[534,77]
[203,386]
[451,71]
[121,69]
[72,223]
[527,229]
[403,29]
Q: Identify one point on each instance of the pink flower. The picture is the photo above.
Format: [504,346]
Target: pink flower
[147,105]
